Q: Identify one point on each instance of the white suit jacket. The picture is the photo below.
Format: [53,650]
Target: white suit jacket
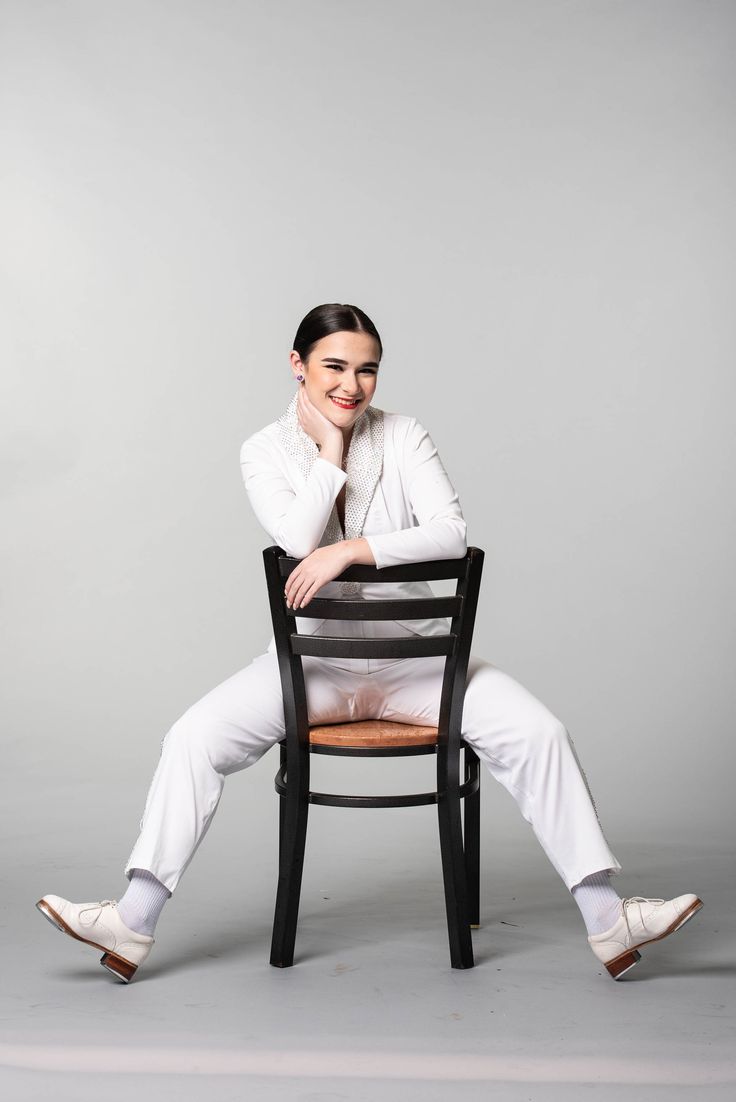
[414,515]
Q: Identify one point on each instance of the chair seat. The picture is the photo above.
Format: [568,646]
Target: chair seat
[372,733]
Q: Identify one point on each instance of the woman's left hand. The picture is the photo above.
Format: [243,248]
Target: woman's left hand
[322,566]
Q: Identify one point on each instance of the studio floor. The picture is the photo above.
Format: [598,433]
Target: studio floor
[372,1009]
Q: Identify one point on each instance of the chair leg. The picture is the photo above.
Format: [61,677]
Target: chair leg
[471,835]
[282,809]
[294,807]
[456,888]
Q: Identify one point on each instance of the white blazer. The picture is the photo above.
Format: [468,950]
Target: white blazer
[414,516]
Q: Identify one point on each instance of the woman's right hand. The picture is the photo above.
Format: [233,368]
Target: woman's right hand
[326,436]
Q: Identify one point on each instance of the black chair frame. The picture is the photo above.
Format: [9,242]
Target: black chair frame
[459,833]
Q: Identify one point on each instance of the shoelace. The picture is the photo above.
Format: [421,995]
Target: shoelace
[638,899]
[100,903]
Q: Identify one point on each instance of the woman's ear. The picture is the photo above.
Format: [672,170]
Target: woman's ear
[297,367]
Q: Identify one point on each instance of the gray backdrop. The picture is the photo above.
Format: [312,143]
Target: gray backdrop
[534,202]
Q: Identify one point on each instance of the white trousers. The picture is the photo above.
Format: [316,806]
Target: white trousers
[522,743]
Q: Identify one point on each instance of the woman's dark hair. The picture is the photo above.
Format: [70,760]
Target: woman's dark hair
[332,317]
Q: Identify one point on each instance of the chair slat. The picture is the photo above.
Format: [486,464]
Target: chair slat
[415,608]
[330,646]
[437,569]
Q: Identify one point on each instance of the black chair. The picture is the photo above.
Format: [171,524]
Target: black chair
[460,857]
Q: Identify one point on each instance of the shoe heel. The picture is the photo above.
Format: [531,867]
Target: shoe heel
[123,969]
[617,967]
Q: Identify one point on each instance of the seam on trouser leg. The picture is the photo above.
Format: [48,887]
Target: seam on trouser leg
[148,797]
[584,776]
[590,793]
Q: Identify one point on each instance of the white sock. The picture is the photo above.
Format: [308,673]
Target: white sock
[599,904]
[143,902]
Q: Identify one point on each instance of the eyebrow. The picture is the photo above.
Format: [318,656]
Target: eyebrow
[344,363]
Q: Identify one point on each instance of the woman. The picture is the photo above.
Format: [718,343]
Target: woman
[335,481]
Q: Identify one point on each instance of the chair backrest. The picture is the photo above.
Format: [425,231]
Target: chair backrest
[454,645]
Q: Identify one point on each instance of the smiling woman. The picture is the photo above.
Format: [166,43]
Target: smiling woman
[338,373]
[336,481]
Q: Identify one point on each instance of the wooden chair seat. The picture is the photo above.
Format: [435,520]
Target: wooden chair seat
[372,733]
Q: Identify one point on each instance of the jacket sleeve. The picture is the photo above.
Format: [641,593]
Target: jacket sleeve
[440,532]
[295,520]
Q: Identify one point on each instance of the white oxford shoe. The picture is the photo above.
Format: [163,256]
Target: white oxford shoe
[642,921]
[100,925]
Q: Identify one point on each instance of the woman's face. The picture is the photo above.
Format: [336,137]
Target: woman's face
[340,375]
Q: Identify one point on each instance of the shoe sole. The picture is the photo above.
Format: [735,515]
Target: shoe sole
[625,961]
[121,968]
